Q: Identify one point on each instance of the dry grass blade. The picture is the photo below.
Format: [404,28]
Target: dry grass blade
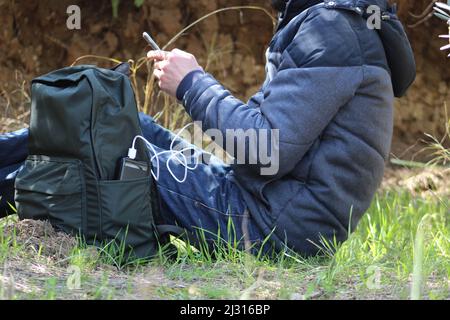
[440,153]
[92,56]
[424,12]
[179,34]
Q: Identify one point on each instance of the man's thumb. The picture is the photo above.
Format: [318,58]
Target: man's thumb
[157,55]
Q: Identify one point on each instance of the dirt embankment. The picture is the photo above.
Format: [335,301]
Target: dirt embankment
[423,109]
[36,40]
[231,45]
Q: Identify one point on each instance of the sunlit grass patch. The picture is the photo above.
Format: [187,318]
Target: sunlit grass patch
[400,249]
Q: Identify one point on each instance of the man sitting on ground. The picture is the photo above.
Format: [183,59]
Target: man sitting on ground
[326,110]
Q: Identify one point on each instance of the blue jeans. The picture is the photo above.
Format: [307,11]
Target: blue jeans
[207,203]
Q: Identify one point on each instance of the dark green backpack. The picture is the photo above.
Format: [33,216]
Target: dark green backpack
[83,120]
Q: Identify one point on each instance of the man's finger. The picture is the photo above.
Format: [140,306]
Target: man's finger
[157,55]
[160,64]
[180,52]
[157,73]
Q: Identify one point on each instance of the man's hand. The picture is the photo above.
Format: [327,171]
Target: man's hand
[171,68]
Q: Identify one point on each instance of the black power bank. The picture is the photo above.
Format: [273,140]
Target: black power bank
[132,169]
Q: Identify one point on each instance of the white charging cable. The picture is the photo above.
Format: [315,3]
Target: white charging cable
[177,155]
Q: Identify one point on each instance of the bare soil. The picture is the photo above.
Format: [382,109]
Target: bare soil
[421,182]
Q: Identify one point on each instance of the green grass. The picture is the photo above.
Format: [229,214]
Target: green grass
[400,250]
[380,260]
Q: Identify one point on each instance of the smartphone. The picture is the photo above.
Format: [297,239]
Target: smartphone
[150,41]
[132,169]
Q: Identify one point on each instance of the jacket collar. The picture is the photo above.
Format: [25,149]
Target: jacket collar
[294,8]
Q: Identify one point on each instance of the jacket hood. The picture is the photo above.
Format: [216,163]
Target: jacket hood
[295,7]
[396,45]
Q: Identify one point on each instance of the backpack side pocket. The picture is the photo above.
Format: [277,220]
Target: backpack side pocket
[127,215]
[50,188]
